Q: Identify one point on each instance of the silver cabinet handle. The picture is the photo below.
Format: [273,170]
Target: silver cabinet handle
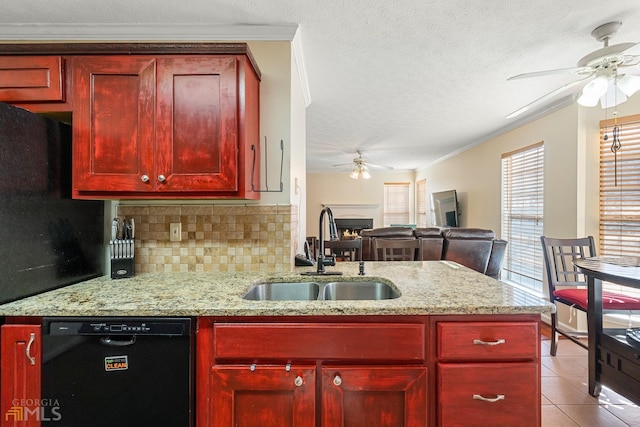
[298,381]
[144,178]
[161,178]
[32,338]
[497,342]
[488,399]
[337,380]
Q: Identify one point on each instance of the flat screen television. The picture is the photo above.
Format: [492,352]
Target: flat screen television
[444,209]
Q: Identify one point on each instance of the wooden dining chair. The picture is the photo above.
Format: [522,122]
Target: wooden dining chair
[345,250]
[396,249]
[569,287]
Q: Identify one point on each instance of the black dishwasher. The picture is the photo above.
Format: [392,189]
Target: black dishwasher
[118,372]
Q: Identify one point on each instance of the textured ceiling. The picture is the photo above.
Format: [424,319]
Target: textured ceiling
[406,81]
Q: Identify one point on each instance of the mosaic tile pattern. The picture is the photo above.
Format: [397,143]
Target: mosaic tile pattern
[234,238]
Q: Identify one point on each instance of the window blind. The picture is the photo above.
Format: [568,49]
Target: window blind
[522,215]
[620,188]
[396,203]
[421,202]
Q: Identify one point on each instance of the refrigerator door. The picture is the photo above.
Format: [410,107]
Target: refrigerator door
[47,240]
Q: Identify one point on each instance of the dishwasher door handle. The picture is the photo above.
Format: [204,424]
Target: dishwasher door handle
[108,341]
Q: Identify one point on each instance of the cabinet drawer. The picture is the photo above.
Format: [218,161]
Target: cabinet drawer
[329,341]
[489,394]
[31,78]
[488,340]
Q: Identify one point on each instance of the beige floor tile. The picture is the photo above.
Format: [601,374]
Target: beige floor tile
[591,416]
[565,366]
[629,414]
[554,417]
[561,392]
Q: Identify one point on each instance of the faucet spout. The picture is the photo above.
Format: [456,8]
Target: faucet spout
[333,235]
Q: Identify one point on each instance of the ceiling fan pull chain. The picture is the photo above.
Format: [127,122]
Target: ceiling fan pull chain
[616,145]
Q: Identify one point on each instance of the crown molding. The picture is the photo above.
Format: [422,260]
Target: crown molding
[31,32]
[146,32]
[298,57]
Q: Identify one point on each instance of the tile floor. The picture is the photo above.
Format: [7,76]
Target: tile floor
[565,397]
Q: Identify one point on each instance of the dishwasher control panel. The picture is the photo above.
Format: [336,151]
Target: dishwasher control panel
[165,327]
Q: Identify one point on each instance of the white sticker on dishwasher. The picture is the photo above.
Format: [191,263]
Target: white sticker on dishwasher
[116,363]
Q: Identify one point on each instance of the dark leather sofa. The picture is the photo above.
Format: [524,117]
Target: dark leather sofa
[475,248]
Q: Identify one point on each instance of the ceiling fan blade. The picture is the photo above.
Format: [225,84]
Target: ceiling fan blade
[572,70]
[343,165]
[547,96]
[380,166]
[633,50]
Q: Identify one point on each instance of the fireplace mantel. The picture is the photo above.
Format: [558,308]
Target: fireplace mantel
[350,206]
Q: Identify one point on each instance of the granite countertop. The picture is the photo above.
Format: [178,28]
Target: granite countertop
[429,287]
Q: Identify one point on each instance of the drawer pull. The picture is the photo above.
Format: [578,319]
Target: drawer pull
[298,381]
[497,342]
[337,380]
[488,399]
[32,338]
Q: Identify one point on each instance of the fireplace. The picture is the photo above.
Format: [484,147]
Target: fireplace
[353,225]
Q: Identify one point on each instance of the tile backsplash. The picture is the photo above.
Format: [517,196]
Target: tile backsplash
[230,238]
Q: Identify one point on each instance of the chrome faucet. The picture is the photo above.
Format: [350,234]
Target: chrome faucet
[323,260]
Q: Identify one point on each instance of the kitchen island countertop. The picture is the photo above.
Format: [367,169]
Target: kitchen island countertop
[427,288]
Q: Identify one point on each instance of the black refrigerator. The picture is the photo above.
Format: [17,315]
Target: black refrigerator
[47,239]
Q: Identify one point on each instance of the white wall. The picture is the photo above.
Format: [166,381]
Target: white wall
[571,138]
[274,61]
[338,189]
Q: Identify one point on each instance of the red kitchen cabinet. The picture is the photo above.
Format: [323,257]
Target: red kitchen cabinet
[31,79]
[488,372]
[321,372]
[383,396]
[165,126]
[36,83]
[269,396]
[20,365]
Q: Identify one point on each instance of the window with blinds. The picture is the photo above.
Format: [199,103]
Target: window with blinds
[396,203]
[421,203]
[620,187]
[522,215]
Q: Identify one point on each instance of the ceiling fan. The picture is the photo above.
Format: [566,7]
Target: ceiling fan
[361,167]
[599,70]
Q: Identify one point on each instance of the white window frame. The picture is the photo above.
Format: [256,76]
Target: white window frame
[523,216]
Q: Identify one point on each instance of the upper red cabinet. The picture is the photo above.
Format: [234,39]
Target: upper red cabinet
[165,126]
[31,79]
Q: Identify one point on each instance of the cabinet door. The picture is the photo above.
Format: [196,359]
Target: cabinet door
[113,123]
[384,396]
[267,396]
[488,394]
[197,124]
[20,382]
[31,79]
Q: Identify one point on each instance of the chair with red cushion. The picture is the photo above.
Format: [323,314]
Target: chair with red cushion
[568,286]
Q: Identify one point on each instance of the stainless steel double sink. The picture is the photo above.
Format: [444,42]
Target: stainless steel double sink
[311,291]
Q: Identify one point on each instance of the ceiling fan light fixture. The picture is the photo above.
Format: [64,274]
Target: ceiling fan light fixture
[358,171]
[629,84]
[587,100]
[612,97]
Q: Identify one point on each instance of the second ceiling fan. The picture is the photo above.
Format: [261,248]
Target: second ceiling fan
[599,70]
[361,167]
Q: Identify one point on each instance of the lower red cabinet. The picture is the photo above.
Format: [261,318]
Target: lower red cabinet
[20,383]
[483,394]
[250,396]
[382,371]
[383,396]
